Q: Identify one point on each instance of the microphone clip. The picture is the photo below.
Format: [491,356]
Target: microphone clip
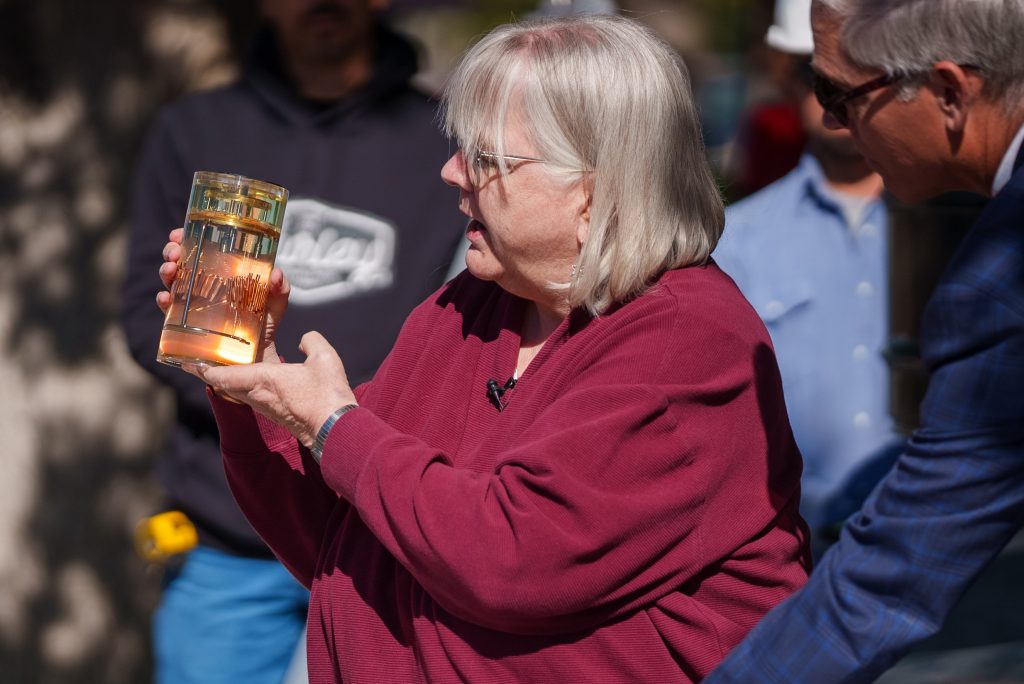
[495,392]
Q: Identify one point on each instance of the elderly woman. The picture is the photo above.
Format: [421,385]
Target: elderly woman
[575,465]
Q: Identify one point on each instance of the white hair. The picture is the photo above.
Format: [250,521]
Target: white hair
[907,37]
[606,104]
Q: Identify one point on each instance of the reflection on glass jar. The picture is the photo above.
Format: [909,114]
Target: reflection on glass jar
[219,294]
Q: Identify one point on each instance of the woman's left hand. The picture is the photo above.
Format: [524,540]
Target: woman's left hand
[297,396]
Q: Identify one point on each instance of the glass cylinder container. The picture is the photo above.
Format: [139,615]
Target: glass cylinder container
[219,295]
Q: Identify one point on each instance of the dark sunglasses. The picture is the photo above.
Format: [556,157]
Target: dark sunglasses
[834,99]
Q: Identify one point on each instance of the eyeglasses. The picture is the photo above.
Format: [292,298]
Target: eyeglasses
[486,163]
[833,99]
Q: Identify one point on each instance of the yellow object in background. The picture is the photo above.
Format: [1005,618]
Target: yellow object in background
[164,535]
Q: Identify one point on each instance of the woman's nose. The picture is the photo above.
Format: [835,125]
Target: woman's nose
[454,172]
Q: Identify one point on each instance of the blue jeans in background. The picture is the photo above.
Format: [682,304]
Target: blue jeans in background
[229,619]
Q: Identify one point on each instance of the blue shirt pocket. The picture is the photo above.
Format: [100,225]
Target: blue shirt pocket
[779,300]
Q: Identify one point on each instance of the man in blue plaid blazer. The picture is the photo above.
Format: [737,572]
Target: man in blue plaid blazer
[933,93]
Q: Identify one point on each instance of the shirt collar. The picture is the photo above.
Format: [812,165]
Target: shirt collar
[818,190]
[814,179]
[816,185]
[1005,170]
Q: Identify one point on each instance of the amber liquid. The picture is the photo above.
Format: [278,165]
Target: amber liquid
[219,294]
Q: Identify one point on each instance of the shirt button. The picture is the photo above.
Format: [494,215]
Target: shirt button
[773,308]
[865,288]
[860,352]
[862,420]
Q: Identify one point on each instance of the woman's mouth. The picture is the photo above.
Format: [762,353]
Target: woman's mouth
[474,229]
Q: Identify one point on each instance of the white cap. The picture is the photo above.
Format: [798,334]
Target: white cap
[791,31]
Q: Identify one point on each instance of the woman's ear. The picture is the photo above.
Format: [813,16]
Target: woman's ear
[585,189]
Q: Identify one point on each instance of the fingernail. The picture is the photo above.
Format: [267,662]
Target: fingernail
[195,368]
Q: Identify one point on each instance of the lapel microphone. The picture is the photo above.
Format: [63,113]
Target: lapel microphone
[496,391]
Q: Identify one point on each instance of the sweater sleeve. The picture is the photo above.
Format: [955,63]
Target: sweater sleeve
[277,485]
[620,494]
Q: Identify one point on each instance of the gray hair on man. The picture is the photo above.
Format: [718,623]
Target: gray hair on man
[609,105]
[907,37]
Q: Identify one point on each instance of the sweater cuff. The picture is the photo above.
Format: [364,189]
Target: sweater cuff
[349,448]
[243,431]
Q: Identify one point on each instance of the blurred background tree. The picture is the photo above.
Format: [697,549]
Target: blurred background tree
[81,424]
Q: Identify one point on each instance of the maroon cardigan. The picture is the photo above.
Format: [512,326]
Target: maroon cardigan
[629,516]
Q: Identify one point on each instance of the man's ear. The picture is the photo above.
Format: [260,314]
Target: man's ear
[956,89]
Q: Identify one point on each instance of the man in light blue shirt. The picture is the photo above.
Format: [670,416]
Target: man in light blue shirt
[810,254]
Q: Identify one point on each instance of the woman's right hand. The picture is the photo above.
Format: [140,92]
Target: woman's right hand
[277,295]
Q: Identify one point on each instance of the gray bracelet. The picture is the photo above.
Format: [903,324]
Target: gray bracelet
[321,437]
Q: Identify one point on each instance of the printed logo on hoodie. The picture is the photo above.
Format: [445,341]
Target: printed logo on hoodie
[331,253]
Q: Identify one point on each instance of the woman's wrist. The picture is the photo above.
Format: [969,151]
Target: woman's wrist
[320,440]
